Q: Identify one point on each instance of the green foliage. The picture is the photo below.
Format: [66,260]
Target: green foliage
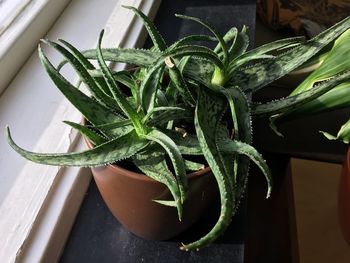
[185,99]
[343,133]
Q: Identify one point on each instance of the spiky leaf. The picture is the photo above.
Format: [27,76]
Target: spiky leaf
[153,164]
[289,103]
[175,157]
[255,77]
[109,152]
[92,111]
[95,138]
[234,146]
[138,57]
[207,118]
[157,39]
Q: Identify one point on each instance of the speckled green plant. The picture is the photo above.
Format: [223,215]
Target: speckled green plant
[182,100]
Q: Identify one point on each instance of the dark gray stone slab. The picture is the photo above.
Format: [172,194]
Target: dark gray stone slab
[98,237]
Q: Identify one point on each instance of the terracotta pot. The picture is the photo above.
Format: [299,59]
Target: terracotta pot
[129,196]
[344,199]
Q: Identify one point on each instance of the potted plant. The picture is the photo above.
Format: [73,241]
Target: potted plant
[184,107]
[344,184]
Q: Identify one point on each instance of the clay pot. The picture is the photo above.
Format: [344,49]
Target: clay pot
[129,196]
[344,199]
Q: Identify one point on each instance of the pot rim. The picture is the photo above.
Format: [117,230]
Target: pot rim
[143,177]
[347,160]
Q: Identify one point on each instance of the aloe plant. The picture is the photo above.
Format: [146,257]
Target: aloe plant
[177,102]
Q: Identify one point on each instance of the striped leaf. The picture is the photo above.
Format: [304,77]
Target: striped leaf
[157,39]
[162,115]
[211,29]
[241,118]
[138,57]
[197,51]
[337,98]
[149,87]
[117,94]
[153,164]
[175,157]
[189,39]
[94,87]
[255,77]
[290,103]
[207,118]
[234,146]
[179,82]
[229,36]
[109,152]
[240,45]
[92,111]
[188,145]
[89,133]
[193,166]
[336,61]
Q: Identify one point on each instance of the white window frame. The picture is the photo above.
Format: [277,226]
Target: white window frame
[20,37]
[36,216]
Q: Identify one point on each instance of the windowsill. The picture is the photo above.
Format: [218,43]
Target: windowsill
[20,37]
[41,202]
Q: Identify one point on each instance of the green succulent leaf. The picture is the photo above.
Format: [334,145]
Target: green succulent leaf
[192,38]
[245,61]
[240,44]
[89,133]
[188,145]
[234,146]
[175,157]
[122,77]
[162,115]
[92,111]
[167,203]
[115,129]
[197,51]
[199,70]
[75,60]
[255,77]
[152,163]
[275,46]
[193,166]
[117,94]
[149,87]
[88,66]
[179,82]
[290,103]
[211,29]
[138,57]
[241,118]
[207,118]
[157,39]
[109,152]
[337,98]
[230,35]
